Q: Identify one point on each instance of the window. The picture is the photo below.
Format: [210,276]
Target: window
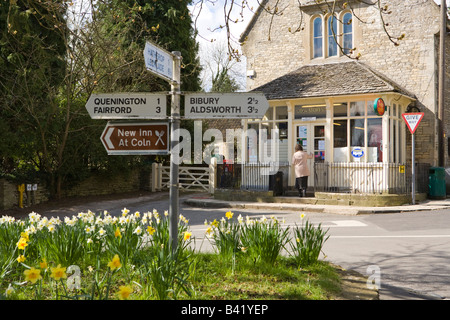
[357,136]
[257,147]
[318,36]
[328,34]
[347,33]
[332,36]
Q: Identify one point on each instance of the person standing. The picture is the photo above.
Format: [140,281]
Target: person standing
[300,163]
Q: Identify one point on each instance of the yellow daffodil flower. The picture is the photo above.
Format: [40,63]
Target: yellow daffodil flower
[124,292]
[22,244]
[58,273]
[187,235]
[32,275]
[114,263]
[43,264]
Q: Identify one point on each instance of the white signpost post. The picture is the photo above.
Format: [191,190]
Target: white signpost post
[167,66]
[412,121]
[127,105]
[250,105]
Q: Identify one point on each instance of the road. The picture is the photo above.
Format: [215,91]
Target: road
[409,252]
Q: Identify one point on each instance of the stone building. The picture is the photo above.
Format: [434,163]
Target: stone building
[323,74]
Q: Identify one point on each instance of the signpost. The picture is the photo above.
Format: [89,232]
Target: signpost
[127,106]
[136,138]
[159,61]
[250,105]
[412,120]
[130,138]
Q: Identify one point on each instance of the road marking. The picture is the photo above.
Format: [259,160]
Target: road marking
[345,223]
[403,236]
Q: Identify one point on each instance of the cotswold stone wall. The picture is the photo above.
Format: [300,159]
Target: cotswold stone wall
[412,64]
[9,195]
[95,185]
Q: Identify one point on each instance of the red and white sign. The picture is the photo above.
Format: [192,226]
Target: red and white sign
[136,138]
[412,120]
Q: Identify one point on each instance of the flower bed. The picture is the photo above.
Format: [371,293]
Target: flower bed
[101,256]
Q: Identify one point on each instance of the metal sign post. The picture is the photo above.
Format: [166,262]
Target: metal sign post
[174,140]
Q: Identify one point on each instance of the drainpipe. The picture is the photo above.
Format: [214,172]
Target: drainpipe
[441,118]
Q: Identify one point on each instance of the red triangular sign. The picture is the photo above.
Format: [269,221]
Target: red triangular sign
[412,120]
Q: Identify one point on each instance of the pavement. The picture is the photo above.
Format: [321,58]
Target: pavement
[209,202]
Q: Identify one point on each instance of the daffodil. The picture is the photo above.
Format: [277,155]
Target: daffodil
[58,273]
[124,292]
[138,230]
[229,215]
[114,263]
[21,258]
[9,291]
[151,230]
[187,235]
[43,264]
[22,244]
[125,211]
[32,275]
[117,233]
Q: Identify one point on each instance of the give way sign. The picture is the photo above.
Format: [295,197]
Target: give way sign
[412,120]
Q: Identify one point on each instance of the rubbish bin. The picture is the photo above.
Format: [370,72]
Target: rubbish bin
[277,183]
[437,183]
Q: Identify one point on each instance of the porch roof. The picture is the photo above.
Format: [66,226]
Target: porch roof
[334,79]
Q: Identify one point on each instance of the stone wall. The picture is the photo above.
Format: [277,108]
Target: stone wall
[412,64]
[100,184]
[9,195]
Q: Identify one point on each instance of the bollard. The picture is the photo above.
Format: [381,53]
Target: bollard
[21,189]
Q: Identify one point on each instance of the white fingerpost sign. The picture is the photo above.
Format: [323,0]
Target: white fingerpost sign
[158,61]
[247,105]
[127,105]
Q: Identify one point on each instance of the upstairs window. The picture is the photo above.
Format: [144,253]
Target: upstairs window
[347,33]
[317,38]
[332,36]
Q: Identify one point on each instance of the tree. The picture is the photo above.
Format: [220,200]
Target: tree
[54,54]
[222,72]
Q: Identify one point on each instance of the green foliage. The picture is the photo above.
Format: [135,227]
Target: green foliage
[308,243]
[48,69]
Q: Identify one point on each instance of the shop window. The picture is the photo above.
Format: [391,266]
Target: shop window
[357,109]
[375,140]
[340,141]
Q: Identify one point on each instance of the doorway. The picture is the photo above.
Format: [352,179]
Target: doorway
[312,137]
